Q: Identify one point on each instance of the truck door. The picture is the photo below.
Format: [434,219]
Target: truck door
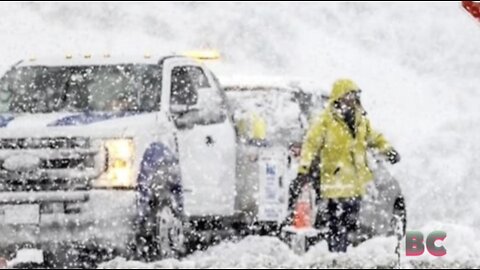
[206,139]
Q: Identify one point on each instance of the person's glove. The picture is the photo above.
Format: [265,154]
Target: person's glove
[295,189]
[303,179]
[393,156]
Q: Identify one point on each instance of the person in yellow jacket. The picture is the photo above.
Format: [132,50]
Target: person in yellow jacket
[339,140]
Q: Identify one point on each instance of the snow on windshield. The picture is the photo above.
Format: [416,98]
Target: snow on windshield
[40,89]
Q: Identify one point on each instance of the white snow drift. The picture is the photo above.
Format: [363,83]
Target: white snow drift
[417,63]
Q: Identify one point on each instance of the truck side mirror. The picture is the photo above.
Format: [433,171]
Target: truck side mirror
[208,99]
[185,117]
[184,97]
[205,100]
[179,109]
[183,106]
[207,109]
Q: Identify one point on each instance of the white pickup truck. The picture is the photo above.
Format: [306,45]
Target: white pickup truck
[130,156]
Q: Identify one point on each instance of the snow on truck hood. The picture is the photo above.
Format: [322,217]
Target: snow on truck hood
[92,124]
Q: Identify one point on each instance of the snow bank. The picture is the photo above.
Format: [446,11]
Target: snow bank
[26,256]
[417,63]
[268,252]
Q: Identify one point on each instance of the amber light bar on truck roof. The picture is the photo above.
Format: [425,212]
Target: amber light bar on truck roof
[203,54]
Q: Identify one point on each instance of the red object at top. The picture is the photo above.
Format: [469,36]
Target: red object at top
[473,8]
[3,263]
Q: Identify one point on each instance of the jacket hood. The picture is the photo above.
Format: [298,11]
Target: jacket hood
[341,88]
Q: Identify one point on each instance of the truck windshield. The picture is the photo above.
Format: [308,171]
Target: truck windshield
[40,89]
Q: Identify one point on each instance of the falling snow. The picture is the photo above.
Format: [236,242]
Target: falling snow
[78,119]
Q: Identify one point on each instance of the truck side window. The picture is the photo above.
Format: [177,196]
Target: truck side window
[186,80]
[205,103]
[213,105]
[225,107]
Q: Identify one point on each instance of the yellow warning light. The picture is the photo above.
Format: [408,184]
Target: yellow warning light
[259,127]
[203,54]
[68,56]
[87,56]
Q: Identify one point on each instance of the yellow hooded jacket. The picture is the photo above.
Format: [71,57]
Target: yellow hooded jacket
[343,163]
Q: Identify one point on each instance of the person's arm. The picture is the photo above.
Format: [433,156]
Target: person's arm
[377,140]
[312,145]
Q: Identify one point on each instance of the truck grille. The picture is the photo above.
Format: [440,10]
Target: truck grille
[48,143]
[14,185]
[60,163]
[84,162]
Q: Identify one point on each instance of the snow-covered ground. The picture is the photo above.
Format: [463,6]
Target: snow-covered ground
[269,252]
[417,63]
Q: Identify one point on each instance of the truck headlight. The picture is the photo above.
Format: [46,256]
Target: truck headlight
[119,171]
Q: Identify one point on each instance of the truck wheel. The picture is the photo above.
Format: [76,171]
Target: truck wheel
[169,237]
[161,235]
[399,219]
[399,225]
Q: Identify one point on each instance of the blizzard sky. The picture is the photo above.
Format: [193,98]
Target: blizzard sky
[417,63]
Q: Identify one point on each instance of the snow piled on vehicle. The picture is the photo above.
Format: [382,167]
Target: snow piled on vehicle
[417,64]
[271,105]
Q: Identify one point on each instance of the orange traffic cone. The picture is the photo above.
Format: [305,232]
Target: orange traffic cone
[302,230]
[302,213]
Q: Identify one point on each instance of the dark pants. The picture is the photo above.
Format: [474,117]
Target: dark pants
[342,219]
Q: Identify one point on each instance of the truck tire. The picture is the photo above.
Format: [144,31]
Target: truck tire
[399,219]
[169,238]
[160,233]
